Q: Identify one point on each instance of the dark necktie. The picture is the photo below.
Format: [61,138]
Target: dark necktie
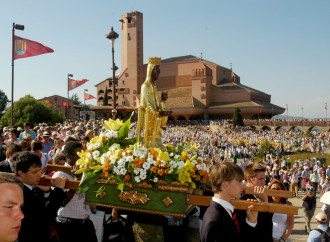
[234,215]
[34,190]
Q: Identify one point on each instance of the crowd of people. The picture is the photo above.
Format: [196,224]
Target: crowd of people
[27,151]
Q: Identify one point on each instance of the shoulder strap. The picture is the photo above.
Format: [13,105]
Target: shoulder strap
[319,230]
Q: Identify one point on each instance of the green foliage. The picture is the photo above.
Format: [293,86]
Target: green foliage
[237,118]
[105,99]
[75,99]
[308,134]
[27,109]
[242,143]
[264,149]
[3,102]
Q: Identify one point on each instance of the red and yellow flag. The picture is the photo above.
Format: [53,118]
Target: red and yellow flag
[72,84]
[48,101]
[88,96]
[65,104]
[26,48]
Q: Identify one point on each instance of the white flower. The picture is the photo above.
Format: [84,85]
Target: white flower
[123,154]
[121,162]
[143,176]
[180,164]
[172,154]
[89,155]
[137,179]
[96,154]
[116,171]
[150,160]
[162,163]
[128,151]
[176,157]
[155,180]
[129,158]
[137,171]
[123,171]
[146,166]
[112,160]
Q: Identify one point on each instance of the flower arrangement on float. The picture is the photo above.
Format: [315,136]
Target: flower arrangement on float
[118,158]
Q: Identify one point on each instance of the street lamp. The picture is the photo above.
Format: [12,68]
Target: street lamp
[302,113]
[112,36]
[67,107]
[287,112]
[85,90]
[19,27]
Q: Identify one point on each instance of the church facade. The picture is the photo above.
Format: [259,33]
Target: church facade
[196,88]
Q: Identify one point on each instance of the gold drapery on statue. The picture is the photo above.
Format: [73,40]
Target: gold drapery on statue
[148,115]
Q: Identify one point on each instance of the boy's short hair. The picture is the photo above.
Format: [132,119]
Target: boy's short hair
[70,147]
[58,157]
[25,160]
[8,178]
[36,145]
[224,171]
[251,170]
[13,148]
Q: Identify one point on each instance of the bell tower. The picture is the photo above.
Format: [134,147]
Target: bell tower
[131,76]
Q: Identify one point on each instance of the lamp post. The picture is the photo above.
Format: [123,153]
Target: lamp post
[67,107]
[85,90]
[112,36]
[19,27]
[302,113]
[326,112]
[287,112]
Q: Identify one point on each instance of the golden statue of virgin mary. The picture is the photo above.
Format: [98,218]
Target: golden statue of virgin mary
[150,113]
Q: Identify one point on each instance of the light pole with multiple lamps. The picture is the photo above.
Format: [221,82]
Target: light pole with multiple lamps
[67,107]
[287,112]
[19,27]
[112,36]
[85,90]
[302,113]
[326,112]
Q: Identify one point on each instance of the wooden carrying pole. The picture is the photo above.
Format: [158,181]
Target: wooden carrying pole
[201,200]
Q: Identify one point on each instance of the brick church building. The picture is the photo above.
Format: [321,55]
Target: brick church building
[197,88]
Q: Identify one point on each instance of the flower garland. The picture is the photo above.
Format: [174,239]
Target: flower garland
[129,163]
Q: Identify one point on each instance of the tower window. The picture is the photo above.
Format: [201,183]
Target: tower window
[129,20]
[129,36]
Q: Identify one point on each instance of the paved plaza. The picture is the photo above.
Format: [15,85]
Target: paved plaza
[299,234]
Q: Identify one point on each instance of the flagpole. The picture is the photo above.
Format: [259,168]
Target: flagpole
[67,107]
[20,27]
[12,79]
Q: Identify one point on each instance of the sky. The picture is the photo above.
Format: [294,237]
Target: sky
[280,47]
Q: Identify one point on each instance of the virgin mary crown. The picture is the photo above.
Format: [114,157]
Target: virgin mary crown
[154,61]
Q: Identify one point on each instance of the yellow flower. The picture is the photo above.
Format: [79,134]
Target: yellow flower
[97,139]
[192,147]
[188,166]
[162,155]
[184,153]
[83,158]
[113,125]
[184,177]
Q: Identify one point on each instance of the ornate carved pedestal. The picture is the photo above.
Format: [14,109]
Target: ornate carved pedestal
[169,199]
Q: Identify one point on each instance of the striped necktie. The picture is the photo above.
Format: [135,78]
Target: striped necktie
[234,216]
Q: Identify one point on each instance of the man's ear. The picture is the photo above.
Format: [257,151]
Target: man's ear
[248,179]
[20,173]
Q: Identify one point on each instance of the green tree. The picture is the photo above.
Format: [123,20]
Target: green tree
[27,109]
[3,102]
[75,99]
[264,149]
[105,99]
[237,118]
